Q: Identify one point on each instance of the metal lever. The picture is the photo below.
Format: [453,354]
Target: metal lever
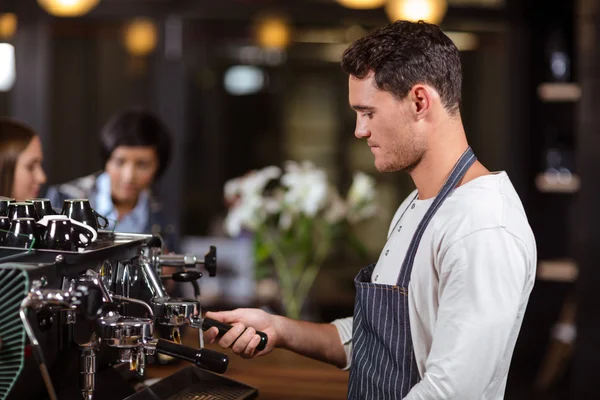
[203,358]
[188,260]
[135,301]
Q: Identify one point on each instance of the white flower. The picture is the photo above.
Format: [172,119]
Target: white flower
[337,209]
[361,197]
[233,188]
[303,190]
[285,220]
[249,214]
[306,188]
[251,184]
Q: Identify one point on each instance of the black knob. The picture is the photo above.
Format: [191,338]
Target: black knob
[210,261]
[155,241]
[203,358]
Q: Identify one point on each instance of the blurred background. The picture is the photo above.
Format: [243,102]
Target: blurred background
[243,84]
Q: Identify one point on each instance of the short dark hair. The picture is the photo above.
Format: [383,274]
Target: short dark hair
[15,136]
[136,127]
[403,54]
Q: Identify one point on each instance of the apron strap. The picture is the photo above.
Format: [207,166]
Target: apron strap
[458,172]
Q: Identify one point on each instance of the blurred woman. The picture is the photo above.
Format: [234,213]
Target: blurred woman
[135,149]
[21,172]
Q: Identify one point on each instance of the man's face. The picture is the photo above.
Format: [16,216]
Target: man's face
[388,124]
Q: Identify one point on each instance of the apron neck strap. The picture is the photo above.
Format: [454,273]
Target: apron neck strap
[456,175]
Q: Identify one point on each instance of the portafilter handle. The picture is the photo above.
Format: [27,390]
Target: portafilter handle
[208,323]
[203,358]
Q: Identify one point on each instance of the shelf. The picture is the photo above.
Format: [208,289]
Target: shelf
[561,270]
[557,182]
[559,92]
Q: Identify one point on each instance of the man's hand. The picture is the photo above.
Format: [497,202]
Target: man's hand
[242,337]
[318,341]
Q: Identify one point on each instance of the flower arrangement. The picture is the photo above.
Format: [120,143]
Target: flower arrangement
[296,216]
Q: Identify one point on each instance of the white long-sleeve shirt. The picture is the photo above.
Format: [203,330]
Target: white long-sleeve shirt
[472,276]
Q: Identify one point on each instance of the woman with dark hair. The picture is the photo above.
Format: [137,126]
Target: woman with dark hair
[21,173]
[135,147]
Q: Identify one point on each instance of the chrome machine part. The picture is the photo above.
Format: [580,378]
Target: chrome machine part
[175,312]
[135,301]
[87,367]
[152,278]
[39,298]
[125,332]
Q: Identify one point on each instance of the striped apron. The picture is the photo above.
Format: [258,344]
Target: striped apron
[383,360]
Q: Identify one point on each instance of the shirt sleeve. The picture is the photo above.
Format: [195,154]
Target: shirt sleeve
[482,278]
[344,327]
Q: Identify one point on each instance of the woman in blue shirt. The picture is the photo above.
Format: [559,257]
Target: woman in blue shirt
[135,149]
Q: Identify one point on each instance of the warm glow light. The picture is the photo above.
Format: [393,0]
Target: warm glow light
[361,4]
[141,37]
[7,67]
[8,25]
[414,10]
[464,41]
[273,33]
[68,8]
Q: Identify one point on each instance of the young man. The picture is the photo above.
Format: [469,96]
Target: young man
[438,315]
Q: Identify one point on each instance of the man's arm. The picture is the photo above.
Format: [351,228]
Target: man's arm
[482,278]
[319,341]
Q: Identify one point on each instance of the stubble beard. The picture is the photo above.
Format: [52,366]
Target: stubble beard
[405,157]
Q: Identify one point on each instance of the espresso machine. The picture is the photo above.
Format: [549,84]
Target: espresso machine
[84,324]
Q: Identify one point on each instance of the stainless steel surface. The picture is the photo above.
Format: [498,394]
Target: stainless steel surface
[122,278]
[151,277]
[49,297]
[87,367]
[70,317]
[125,332]
[118,268]
[178,260]
[125,355]
[95,277]
[136,301]
[175,312]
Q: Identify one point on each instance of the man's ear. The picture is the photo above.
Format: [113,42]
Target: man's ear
[421,99]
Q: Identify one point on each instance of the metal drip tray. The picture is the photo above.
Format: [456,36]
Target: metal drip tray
[193,383]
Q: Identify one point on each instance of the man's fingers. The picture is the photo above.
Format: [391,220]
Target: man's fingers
[211,334]
[240,344]
[250,350]
[230,337]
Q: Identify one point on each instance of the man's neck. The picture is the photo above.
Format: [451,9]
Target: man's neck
[444,150]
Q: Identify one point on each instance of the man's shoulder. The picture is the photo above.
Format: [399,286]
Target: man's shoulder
[488,204]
